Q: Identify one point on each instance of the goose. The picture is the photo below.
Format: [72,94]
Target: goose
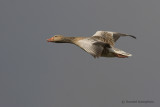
[101,44]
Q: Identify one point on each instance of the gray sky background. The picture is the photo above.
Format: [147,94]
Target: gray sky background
[34,73]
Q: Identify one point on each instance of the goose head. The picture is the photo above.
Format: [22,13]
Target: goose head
[56,38]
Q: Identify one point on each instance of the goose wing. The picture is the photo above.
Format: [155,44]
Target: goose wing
[92,46]
[114,35]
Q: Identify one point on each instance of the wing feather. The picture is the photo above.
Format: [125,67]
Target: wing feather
[114,35]
[90,46]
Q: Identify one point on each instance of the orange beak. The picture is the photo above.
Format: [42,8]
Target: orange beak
[50,39]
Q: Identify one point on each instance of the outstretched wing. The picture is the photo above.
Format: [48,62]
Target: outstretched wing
[92,46]
[114,35]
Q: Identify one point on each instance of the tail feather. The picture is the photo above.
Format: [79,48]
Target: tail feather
[118,51]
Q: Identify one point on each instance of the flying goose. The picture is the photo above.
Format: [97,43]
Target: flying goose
[101,44]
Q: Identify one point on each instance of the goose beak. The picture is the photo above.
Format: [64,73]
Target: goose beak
[50,40]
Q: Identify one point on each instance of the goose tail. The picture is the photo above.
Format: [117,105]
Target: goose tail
[120,54]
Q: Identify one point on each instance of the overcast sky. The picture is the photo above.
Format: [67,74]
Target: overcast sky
[34,73]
